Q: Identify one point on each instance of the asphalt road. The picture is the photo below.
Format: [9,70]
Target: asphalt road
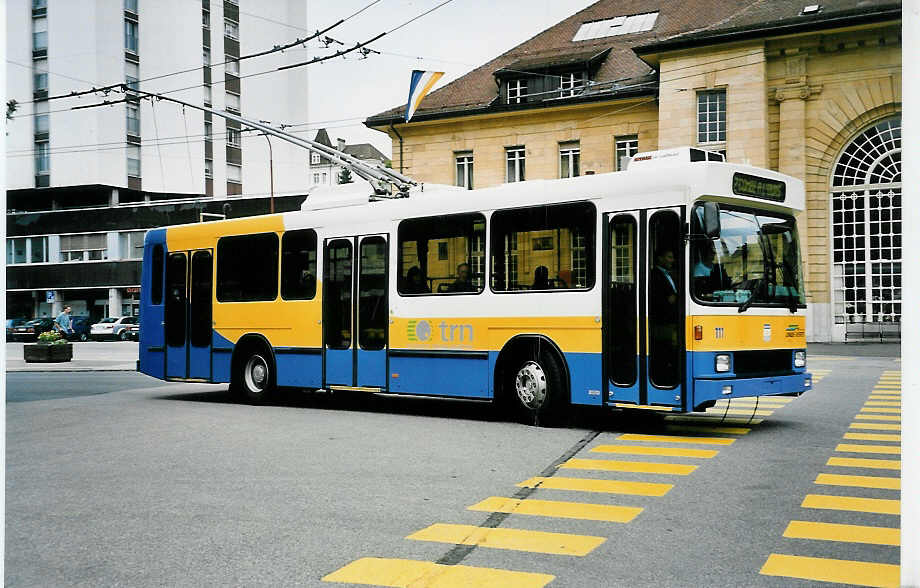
[119,479]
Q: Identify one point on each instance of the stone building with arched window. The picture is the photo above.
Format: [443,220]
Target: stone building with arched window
[811,90]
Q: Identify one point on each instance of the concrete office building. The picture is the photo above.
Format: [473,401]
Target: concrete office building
[85,183]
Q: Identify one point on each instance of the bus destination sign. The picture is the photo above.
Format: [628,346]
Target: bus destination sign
[747,185]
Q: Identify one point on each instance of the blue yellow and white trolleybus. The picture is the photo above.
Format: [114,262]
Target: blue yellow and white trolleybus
[670,285]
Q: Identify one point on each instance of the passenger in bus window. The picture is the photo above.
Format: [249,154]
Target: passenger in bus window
[541,278]
[415,282]
[663,311]
[464,282]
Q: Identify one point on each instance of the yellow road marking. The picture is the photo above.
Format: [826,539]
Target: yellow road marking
[858,462]
[882,403]
[872,437]
[559,509]
[675,439]
[665,451]
[403,573]
[880,409]
[860,573]
[830,358]
[708,429]
[889,397]
[763,400]
[514,539]
[705,419]
[876,426]
[590,485]
[643,406]
[879,417]
[876,505]
[882,482]
[861,448]
[716,410]
[847,533]
[642,467]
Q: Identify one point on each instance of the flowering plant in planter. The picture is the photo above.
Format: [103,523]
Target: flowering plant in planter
[51,338]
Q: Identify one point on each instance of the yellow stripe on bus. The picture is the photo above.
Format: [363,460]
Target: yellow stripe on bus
[512,539]
[406,573]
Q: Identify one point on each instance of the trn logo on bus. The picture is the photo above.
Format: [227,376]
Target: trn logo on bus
[421,331]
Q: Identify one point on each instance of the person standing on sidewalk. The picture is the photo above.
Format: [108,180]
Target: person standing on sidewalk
[62,323]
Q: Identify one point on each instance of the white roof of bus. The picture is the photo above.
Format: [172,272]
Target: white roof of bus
[626,190]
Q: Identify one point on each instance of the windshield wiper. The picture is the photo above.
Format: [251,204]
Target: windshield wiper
[747,303]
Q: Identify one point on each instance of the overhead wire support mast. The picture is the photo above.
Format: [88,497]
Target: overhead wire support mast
[381,178]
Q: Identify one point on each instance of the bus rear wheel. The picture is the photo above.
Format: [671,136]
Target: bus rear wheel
[537,387]
[254,379]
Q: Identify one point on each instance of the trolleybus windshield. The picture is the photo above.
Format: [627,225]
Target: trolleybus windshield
[755,260]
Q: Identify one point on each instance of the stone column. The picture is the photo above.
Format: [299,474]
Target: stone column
[58,305]
[114,302]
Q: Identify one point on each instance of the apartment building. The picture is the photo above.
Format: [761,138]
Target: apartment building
[88,174]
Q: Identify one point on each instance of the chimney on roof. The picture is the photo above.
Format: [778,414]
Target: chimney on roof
[341,144]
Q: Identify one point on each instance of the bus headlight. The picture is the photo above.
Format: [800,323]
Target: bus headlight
[799,359]
[723,362]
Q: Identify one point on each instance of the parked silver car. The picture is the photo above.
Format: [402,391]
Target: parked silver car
[113,327]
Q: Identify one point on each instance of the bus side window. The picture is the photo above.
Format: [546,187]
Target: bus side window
[442,254]
[298,265]
[543,248]
[156,275]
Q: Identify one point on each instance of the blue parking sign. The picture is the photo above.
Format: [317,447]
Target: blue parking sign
[49,296]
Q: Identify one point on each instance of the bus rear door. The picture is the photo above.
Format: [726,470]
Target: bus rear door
[644,308]
[355,312]
[189,289]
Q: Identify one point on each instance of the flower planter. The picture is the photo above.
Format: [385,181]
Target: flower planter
[45,353]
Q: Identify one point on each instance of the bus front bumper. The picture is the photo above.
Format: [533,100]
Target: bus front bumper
[788,385]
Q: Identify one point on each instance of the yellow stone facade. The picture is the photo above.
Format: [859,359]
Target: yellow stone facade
[792,104]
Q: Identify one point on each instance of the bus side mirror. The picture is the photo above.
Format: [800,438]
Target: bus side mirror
[712,226]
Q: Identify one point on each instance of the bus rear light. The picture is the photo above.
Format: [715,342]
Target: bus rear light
[723,363]
[698,332]
[799,359]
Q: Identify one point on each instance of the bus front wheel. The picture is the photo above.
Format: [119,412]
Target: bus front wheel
[255,379]
[536,384]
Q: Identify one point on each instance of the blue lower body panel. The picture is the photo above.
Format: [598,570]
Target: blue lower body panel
[440,376]
[299,370]
[585,378]
[372,368]
[340,367]
[704,390]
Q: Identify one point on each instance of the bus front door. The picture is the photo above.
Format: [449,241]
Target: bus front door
[644,308]
[189,289]
[355,312]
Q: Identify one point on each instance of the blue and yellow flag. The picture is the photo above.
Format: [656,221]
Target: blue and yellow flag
[419,86]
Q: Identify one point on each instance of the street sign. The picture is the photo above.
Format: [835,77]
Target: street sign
[49,296]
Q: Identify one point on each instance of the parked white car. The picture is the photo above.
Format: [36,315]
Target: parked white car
[113,327]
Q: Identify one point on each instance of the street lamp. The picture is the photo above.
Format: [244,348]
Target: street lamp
[271,171]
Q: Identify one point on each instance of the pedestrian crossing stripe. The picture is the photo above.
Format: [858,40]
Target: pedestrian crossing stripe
[675,439]
[737,411]
[708,429]
[882,403]
[663,451]
[880,409]
[829,358]
[876,426]
[858,462]
[558,509]
[872,437]
[601,486]
[708,419]
[862,448]
[879,417]
[852,503]
[861,573]
[641,467]
[512,539]
[881,482]
[843,533]
[405,573]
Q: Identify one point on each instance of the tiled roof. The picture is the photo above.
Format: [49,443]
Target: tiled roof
[365,151]
[777,15]
[476,90]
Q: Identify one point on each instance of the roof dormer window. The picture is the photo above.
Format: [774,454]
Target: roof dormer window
[517,91]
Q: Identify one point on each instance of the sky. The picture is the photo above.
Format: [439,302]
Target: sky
[455,38]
